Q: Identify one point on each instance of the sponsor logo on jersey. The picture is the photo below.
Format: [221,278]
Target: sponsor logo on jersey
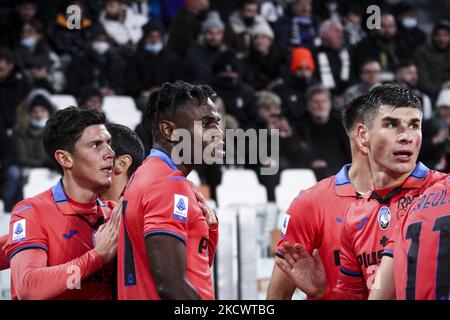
[180,207]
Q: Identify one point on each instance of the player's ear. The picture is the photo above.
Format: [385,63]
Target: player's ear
[64,158]
[122,163]
[362,137]
[166,128]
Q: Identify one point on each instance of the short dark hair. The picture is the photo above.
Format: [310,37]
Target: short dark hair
[367,61]
[392,94]
[316,89]
[404,64]
[352,112]
[244,3]
[65,127]
[88,93]
[164,102]
[125,141]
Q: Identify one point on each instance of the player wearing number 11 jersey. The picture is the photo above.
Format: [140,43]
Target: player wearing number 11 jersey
[422,248]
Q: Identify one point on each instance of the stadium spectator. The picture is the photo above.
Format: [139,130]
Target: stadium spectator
[322,129]
[240,26]
[35,55]
[369,78]
[11,25]
[14,87]
[186,26]
[436,146]
[433,60]
[65,41]
[31,119]
[91,98]
[151,65]
[297,27]
[406,73]
[264,63]
[100,65]
[121,23]
[352,23]
[410,35]
[332,59]
[202,55]
[293,87]
[294,152]
[237,96]
[380,45]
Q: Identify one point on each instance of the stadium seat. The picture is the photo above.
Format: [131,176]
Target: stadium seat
[238,177]
[39,179]
[301,178]
[194,177]
[122,110]
[241,195]
[291,182]
[62,101]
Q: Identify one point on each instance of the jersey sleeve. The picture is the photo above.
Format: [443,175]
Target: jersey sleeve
[301,225]
[169,212]
[26,230]
[350,283]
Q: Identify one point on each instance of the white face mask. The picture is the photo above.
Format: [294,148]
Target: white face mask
[100,47]
[409,22]
[38,123]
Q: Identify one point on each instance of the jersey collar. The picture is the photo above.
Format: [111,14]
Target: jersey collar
[155,153]
[62,201]
[342,184]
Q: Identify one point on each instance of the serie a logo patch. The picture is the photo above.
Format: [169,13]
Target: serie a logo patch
[19,230]
[180,207]
[384,218]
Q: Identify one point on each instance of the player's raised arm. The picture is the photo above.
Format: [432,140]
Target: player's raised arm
[281,286]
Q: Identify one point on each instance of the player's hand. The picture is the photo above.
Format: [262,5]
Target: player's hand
[208,213]
[306,271]
[107,234]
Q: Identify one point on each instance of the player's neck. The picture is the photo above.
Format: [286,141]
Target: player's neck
[76,191]
[114,192]
[185,169]
[384,180]
[360,174]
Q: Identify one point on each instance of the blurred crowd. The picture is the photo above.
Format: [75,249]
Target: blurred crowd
[275,64]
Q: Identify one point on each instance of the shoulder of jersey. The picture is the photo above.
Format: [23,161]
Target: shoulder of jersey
[318,190]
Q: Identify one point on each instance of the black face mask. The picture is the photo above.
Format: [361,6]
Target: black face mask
[301,82]
[212,48]
[248,21]
[112,17]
